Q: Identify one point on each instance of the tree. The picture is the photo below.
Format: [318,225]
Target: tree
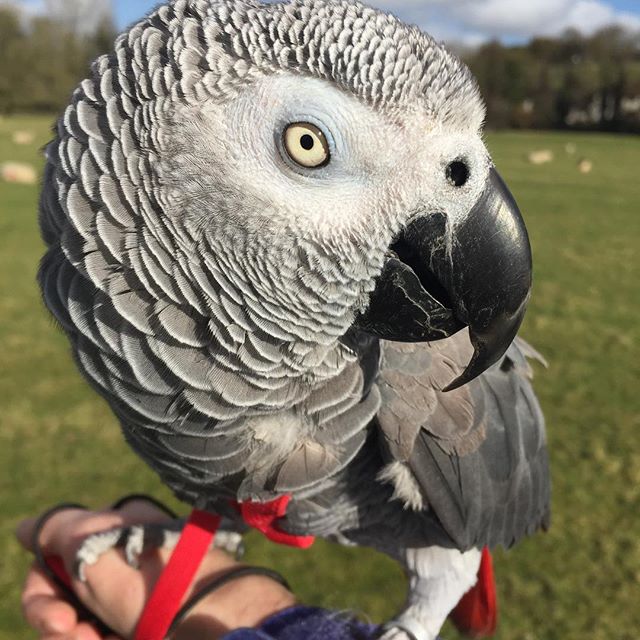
[12,50]
[588,82]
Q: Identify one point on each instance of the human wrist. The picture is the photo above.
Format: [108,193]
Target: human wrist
[239,599]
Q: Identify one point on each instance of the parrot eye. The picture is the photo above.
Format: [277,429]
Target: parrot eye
[458,173]
[306,145]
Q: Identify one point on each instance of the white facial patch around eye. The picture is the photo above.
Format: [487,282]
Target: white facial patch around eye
[308,149]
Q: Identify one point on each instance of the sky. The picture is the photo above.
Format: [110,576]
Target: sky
[469,22]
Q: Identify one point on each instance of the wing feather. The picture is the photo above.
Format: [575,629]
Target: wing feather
[478,454]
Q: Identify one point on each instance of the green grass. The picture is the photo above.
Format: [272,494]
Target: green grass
[58,441]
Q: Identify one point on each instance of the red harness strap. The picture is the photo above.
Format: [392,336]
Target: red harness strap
[167,595]
[263,516]
[56,564]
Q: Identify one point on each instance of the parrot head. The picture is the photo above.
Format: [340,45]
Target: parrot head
[343,179]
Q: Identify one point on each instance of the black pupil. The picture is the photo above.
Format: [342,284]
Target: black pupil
[458,173]
[306,142]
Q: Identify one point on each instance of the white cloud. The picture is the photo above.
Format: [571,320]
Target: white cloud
[29,7]
[474,21]
[83,15]
[590,15]
[497,17]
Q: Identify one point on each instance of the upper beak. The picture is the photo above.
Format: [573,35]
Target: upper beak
[440,278]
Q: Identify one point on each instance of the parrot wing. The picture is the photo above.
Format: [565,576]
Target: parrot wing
[476,455]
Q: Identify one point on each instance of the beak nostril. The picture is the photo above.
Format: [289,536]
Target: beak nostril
[458,173]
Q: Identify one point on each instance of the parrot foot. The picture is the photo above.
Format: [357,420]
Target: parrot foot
[138,539]
[438,578]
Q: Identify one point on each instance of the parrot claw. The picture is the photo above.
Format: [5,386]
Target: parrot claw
[395,633]
[138,539]
[92,548]
[133,546]
[230,542]
[406,627]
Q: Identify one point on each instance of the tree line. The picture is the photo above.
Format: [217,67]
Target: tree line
[569,82]
[573,81]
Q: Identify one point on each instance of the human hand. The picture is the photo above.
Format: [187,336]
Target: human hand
[117,593]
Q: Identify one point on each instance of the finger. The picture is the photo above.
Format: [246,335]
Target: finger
[64,532]
[85,631]
[38,584]
[24,532]
[61,520]
[43,607]
[134,512]
[49,615]
[142,512]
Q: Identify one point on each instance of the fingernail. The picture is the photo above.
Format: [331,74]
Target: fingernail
[55,627]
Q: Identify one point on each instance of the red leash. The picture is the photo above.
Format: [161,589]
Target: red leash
[194,544]
[167,595]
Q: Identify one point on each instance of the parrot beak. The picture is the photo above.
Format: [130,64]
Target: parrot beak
[441,277]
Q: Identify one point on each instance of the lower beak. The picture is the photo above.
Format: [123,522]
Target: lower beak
[440,278]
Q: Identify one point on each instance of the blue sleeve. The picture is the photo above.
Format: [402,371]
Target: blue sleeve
[308,623]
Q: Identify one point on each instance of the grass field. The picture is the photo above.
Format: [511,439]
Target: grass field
[580,581]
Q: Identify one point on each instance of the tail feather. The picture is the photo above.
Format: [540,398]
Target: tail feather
[477,613]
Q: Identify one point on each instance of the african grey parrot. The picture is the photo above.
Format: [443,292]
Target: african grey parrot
[268,226]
